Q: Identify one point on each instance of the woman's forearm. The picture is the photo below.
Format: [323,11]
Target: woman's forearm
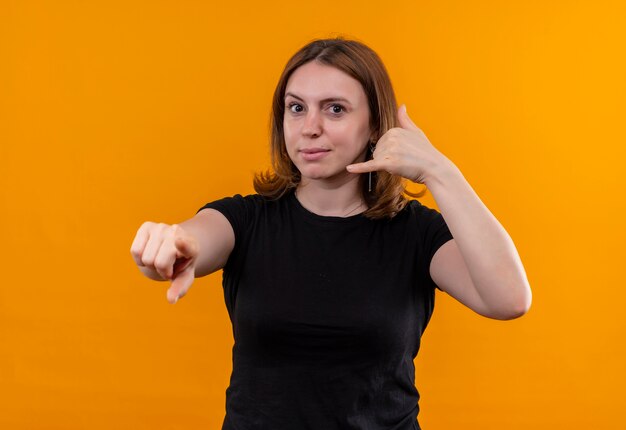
[487,249]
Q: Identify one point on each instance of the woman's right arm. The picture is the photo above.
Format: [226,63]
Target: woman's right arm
[181,252]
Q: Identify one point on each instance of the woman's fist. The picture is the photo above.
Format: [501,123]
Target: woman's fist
[167,252]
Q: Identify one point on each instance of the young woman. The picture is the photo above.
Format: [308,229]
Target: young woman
[330,271]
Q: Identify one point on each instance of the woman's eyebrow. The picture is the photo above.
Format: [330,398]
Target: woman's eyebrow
[326,100]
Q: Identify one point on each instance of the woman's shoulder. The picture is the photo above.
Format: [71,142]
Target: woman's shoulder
[417,207]
[244,201]
[416,212]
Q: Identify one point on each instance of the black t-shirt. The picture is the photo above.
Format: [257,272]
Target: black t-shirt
[327,314]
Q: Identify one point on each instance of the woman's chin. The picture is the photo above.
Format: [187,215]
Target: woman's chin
[322,174]
[313,172]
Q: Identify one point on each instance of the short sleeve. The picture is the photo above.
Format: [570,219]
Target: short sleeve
[240,212]
[434,233]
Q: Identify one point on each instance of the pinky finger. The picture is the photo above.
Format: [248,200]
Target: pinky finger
[139,244]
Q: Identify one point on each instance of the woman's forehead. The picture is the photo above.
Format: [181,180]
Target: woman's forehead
[317,82]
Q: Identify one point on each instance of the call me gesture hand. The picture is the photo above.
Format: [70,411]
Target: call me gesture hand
[403,151]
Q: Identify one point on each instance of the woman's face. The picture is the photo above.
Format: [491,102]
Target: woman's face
[326,122]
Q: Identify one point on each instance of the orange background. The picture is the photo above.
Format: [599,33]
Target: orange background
[114,113]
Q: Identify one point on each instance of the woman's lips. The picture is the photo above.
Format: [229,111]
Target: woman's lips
[314,154]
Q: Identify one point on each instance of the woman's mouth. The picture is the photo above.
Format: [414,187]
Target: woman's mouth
[314,154]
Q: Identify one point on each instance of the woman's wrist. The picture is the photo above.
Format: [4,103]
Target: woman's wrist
[441,173]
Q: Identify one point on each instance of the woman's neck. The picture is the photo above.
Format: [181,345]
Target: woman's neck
[331,199]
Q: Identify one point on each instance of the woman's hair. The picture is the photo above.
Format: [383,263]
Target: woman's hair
[354,58]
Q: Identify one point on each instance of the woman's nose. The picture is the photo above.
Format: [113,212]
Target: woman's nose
[312,126]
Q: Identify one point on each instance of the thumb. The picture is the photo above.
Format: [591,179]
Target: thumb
[368,166]
[405,121]
[185,245]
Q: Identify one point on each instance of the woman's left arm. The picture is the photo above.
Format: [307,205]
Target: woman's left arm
[480,267]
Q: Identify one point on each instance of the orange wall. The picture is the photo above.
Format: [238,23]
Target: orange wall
[117,112]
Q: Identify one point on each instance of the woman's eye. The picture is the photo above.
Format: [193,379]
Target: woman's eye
[337,108]
[295,108]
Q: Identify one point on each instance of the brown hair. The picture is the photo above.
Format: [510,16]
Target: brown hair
[354,58]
